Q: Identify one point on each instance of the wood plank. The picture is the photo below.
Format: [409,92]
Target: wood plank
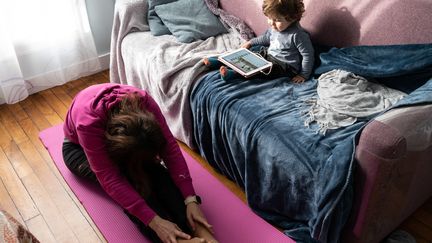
[7,204]
[42,115]
[17,160]
[67,209]
[11,126]
[89,230]
[34,114]
[61,94]
[54,102]
[16,189]
[72,87]
[106,74]
[80,220]
[93,79]
[73,84]
[5,114]
[5,138]
[39,228]
[33,134]
[56,222]
[50,115]
[17,111]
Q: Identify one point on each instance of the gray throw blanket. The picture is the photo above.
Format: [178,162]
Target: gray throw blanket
[164,67]
[343,97]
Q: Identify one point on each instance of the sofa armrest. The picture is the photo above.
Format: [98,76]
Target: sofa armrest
[129,16]
[392,154]
[414,123]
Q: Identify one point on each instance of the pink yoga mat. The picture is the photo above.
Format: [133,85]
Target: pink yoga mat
[232,220]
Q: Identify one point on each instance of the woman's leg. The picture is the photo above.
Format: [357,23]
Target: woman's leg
[202,232]
[160,193]
[167,197]
[167,201]
[170,197]
[76,160]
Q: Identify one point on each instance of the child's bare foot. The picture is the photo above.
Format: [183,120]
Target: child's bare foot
[206,61]
[223,71]
[211,62]
[226,74]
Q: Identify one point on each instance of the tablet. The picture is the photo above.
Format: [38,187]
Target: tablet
[244,62]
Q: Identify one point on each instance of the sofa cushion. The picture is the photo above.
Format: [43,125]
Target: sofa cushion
[189,20]
[155,23]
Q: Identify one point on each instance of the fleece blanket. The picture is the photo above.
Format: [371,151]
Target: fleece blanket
[253,132]
[161,65]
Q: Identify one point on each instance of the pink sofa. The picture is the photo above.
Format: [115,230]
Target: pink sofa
[394,154]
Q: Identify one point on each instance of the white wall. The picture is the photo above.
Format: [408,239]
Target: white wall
[100,13]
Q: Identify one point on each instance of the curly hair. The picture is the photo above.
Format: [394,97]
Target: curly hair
[290,9]
[131,129]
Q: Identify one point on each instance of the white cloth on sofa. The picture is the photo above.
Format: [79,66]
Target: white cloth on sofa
[344,96]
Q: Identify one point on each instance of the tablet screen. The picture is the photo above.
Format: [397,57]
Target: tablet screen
[245,60]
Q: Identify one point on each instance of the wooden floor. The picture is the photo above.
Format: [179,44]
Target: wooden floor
[33,191]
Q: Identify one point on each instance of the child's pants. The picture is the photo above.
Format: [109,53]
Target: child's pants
[279,68]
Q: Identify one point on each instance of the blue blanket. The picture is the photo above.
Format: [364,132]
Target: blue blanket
[253,132]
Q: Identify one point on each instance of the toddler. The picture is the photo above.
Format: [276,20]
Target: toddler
[286,44]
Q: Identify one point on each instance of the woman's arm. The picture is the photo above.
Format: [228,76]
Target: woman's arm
[109,177]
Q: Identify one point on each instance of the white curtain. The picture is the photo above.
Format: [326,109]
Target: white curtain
[43,43]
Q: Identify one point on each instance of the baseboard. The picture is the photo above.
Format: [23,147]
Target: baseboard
[104,60]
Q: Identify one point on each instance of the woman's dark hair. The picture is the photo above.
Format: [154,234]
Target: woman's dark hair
[131,129]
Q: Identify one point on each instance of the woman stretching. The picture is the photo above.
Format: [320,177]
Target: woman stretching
[116,135]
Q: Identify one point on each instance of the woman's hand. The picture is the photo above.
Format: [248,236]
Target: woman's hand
[167,231]
[298,79]
[194,214]
[246,45]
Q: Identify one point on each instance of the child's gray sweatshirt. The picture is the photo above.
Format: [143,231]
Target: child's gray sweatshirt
[292,46]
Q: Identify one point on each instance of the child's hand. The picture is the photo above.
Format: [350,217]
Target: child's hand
[246,45]
[298,79]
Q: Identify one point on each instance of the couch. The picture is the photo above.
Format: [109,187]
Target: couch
[393,151]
